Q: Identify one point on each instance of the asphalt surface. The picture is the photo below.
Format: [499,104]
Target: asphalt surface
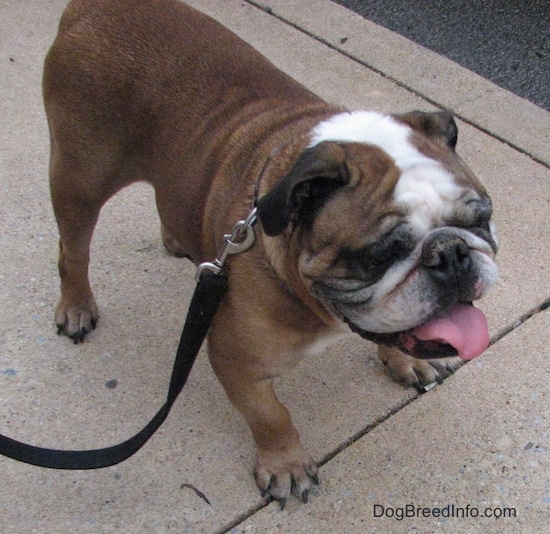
[505,41]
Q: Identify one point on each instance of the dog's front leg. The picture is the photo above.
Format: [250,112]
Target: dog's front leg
[282,467]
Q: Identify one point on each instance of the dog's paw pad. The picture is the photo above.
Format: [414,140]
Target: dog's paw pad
[76,321]
[280,475]
[419,373]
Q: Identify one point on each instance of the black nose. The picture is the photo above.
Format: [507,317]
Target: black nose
[448,259]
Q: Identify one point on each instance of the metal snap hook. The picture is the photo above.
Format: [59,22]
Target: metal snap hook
[232,244]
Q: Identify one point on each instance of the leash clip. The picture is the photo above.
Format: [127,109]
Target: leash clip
[239,240]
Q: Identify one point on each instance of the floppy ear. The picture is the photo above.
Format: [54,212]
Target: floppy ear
[438,124]
[319,172]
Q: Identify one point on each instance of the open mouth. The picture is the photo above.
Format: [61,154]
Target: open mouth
[461,330]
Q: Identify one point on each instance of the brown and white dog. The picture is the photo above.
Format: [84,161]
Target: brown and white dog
[369,223]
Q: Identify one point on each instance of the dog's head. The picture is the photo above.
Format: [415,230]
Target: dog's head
[394,232]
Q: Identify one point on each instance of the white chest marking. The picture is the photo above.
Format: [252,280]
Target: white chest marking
[425,188]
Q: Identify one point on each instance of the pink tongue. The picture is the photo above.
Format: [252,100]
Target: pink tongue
[463,327]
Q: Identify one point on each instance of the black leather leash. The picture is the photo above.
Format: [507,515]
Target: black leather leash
[212,283]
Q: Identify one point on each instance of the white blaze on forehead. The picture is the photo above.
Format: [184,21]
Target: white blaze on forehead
[425,188]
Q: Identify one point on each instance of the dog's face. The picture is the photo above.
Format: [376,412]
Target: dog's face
[393,230]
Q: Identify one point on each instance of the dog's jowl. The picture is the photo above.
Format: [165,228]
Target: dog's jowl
[370,223]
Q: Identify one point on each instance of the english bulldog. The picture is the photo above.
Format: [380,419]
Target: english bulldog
[369,223]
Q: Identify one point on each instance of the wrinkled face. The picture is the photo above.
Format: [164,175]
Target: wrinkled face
[393,228]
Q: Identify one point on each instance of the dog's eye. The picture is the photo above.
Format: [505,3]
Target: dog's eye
[477,214]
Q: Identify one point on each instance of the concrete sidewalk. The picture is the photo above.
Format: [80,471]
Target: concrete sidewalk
[479,442]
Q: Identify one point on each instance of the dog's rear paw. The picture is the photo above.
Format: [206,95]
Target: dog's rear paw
[76,321]
[411,371]
[281,474]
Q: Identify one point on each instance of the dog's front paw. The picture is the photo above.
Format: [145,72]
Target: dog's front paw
[411,371]
[282,473]
[77,320]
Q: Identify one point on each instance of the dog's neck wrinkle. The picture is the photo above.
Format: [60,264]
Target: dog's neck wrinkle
[282,252]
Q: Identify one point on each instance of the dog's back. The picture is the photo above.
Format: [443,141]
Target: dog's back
[132,84]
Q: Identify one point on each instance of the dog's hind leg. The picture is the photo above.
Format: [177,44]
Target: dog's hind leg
[76,313]
[85,171]
[76,210]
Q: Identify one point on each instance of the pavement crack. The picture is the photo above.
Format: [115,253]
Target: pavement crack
[522,319]
[227,529]
[364,431]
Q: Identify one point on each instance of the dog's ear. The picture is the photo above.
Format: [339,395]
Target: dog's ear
[318,172]
[438,124]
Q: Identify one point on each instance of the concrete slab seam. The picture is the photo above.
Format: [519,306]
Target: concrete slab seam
[543,306]
[394,80]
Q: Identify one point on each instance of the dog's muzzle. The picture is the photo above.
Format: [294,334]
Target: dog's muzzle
[453,264]
[447,260]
